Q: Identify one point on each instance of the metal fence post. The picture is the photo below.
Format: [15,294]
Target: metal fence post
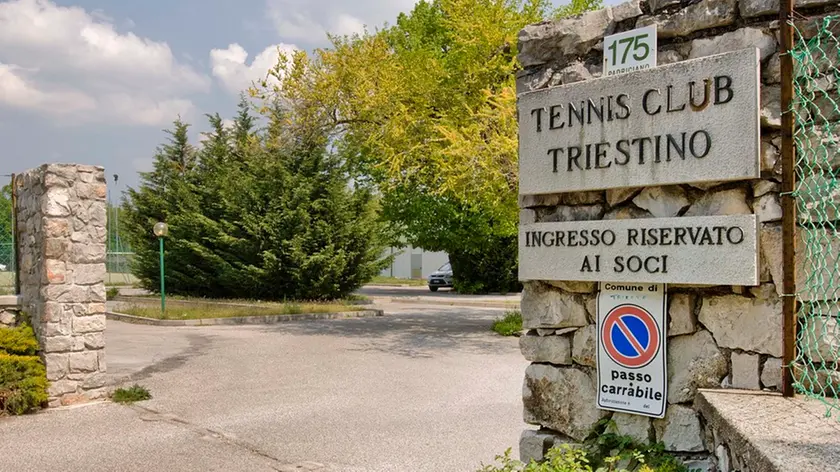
[788,202]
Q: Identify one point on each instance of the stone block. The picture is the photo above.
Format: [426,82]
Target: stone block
[561,399]
[55,271]
[680,430]
[818,199]
[57,344]
[620,195]
[88,274]
[8,318]
[551,349]
[627,11]
[101,355]
[763,187]
[771,106]
[745,371]
[656,5]
[85,361]
[544,307]
[90,191]
[733,41]
[534,444]
[57,365]
[819,339]
[87,253]
[56,248]
[699,16]
[584,348]
[748,324]
[548,41]
[62,387]
[682,319]
[97,293]
[694,361]
[94,340]
[533,201]
[527,217]
[93,381]
[662,202]
[60,328]
[723,202]
[768,208]
[583,198]
[627,213]
[772,71]
[570,213]
[88,324]
[56,227]
[574,287]
[56,202]
[635,426]
[771,373]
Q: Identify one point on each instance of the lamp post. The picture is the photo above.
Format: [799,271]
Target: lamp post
[161,230]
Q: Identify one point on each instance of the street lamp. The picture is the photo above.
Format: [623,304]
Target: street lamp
[161,230]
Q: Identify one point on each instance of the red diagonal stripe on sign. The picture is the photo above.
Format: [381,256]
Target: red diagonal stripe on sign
[629,335]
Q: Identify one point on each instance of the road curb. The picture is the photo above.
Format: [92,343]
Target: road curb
[421,301]
[245,320]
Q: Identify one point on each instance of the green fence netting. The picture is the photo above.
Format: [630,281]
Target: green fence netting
[816,111]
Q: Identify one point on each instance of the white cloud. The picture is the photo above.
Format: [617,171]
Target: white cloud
[231,66]
[308,21]
[60,61]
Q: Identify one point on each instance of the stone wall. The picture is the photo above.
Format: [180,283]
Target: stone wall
[9,311]
[718,336]
[61,256]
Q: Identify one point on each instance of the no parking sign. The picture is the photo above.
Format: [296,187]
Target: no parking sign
[632,374]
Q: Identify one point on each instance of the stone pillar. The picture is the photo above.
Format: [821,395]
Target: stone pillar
[61,232]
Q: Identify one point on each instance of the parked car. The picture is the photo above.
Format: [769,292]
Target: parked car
[441,278]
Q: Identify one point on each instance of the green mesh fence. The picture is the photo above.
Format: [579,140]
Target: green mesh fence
[816,111]
[7,244]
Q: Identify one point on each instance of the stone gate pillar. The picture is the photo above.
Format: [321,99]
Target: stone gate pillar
[61,232]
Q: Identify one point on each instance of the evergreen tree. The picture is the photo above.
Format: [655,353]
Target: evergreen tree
[267,215]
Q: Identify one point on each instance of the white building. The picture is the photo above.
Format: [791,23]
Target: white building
[413,263]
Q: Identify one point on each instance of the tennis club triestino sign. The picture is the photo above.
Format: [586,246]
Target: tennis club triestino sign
[691,121]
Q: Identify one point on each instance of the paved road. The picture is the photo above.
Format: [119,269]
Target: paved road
[442,296]
[423,388]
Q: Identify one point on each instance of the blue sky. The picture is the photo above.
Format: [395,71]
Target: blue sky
[96,81]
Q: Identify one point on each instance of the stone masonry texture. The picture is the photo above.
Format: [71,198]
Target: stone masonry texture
[718,336]
[61,254]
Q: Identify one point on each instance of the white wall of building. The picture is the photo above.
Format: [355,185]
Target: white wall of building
[424,263]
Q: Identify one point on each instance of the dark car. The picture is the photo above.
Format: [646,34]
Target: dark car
[441,278]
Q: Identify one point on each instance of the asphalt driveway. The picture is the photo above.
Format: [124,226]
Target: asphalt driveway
[424,388]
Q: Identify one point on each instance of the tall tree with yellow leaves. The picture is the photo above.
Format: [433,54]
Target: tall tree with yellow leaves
[426,108]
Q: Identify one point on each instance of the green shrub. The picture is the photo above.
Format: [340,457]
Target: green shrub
[23,384]
[509,325]
[135,393]
[18,341]
[602,451]
[112,293]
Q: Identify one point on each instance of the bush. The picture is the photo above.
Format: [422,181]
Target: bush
[18,341]
[259,214]
[602,451]
[135,393]
[112,293]
[23,384]
[509,325]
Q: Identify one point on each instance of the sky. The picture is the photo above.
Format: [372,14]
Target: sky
[97,81]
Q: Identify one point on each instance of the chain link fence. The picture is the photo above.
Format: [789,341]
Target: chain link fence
[816,110]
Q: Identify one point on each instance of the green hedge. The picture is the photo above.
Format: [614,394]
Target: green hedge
[23,378]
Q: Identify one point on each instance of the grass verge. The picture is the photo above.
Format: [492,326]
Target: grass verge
[135,393]
[380,280]
[207,311]
[509,325]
